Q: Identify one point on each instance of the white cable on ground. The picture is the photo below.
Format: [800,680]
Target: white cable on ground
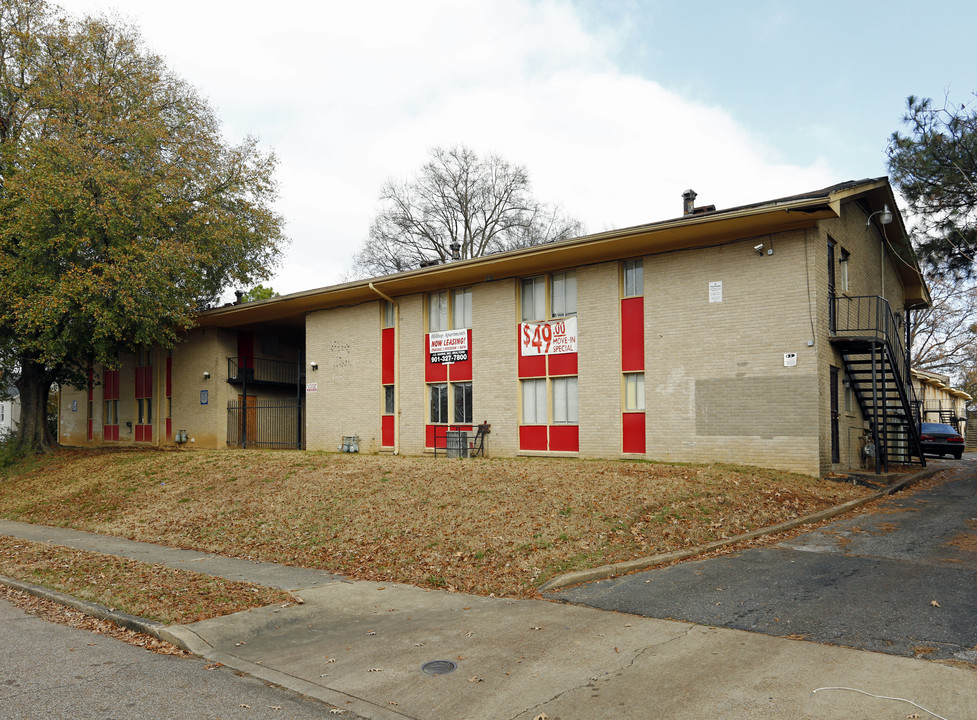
[883,697]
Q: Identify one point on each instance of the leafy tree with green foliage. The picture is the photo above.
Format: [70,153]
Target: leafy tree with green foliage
[123,211]
[482,204]
[934,167]
[258,292]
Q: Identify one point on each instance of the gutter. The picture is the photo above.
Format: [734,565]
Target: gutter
[396,364]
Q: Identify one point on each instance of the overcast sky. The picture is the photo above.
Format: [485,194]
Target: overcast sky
[615,108]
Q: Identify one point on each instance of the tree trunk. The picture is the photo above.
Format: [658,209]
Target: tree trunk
[33,433]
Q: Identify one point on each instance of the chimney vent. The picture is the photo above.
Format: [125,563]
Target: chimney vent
[688,202]
[455,251]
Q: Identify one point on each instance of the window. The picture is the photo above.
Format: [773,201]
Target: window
[843,267]
[565,400]
[144,411]
[463,402]
[634,282]
[534,298]
[534,402]
[439,403]
[634,392]
[388,400]
[437,316]
[111,412]
[564,294]
[461,309]
[388,314]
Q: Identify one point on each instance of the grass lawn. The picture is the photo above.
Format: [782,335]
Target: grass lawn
[488,526]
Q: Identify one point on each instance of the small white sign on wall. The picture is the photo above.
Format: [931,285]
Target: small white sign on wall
[312,387]
[716,291]
[790,359]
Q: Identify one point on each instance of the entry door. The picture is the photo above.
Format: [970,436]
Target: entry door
[835,438]
[248,405]
[831,285]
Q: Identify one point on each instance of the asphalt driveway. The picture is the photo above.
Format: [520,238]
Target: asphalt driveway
[899,579]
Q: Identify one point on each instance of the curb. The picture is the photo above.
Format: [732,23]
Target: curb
[628,566]
[122,619]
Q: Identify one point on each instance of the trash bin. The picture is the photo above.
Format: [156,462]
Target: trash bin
[456,444]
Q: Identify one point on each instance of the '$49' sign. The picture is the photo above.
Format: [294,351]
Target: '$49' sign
[552,338]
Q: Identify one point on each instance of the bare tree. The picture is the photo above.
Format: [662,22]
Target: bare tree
[944,336]
[481,205]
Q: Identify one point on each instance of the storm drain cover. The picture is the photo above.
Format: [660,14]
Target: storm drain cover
[438,667]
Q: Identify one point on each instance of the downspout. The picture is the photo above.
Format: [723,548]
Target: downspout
[396,364]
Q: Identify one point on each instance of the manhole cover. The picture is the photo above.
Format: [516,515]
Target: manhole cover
[438,667]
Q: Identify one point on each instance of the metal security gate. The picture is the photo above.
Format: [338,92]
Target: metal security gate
[264,423]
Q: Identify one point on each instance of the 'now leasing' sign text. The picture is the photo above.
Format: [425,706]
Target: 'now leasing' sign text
[448,346]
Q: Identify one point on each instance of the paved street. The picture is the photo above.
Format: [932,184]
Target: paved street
[51,671]
[898,580]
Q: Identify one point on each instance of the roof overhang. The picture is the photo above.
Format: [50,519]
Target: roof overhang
[688,232]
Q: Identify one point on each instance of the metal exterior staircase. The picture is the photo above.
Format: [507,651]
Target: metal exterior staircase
[865,333]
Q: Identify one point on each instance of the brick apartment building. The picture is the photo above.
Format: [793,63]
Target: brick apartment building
[771,334]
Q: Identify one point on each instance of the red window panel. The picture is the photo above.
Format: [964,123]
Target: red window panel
[562,364]
[461,371]
[564,438]
[633,426]
[529,366]
[169,428]
[387,356]
[532,437]
[387,431]
[433,372]
[633,334]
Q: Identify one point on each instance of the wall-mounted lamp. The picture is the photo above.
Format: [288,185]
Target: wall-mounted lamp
[314,365]
[206,375]
[758,249]
[885,216]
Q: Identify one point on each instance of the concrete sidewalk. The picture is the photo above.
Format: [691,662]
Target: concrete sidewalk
[361,647]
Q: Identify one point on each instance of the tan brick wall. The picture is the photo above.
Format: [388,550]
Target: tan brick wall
[345,342]
[73,421]
[732,354]
[205,349]
[410,375]
[599,359]
[495,385]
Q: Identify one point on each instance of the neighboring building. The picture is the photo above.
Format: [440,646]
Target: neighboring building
[768,334]
[9,410]
[939,401]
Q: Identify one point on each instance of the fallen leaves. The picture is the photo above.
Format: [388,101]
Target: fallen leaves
[326,512]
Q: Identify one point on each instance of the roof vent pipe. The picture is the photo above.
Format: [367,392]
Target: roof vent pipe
[455,248]
[688,202]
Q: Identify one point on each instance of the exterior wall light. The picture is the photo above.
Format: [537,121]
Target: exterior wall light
[206,375]
[885,216]
[315,365]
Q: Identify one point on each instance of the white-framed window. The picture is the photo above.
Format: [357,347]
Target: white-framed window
[388,314]
[462,392]
[439,403]
[437,313]
[564,292]
[534,402]
[843,270]
[388,400]
[565,400]
[144,411]
[534,298]
[634,392]
[634,281]
[461,308]
[111,413]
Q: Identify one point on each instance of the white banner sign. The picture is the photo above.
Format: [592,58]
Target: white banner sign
[551,338]
[448,346]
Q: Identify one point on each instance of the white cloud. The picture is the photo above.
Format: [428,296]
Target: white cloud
[350,94]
